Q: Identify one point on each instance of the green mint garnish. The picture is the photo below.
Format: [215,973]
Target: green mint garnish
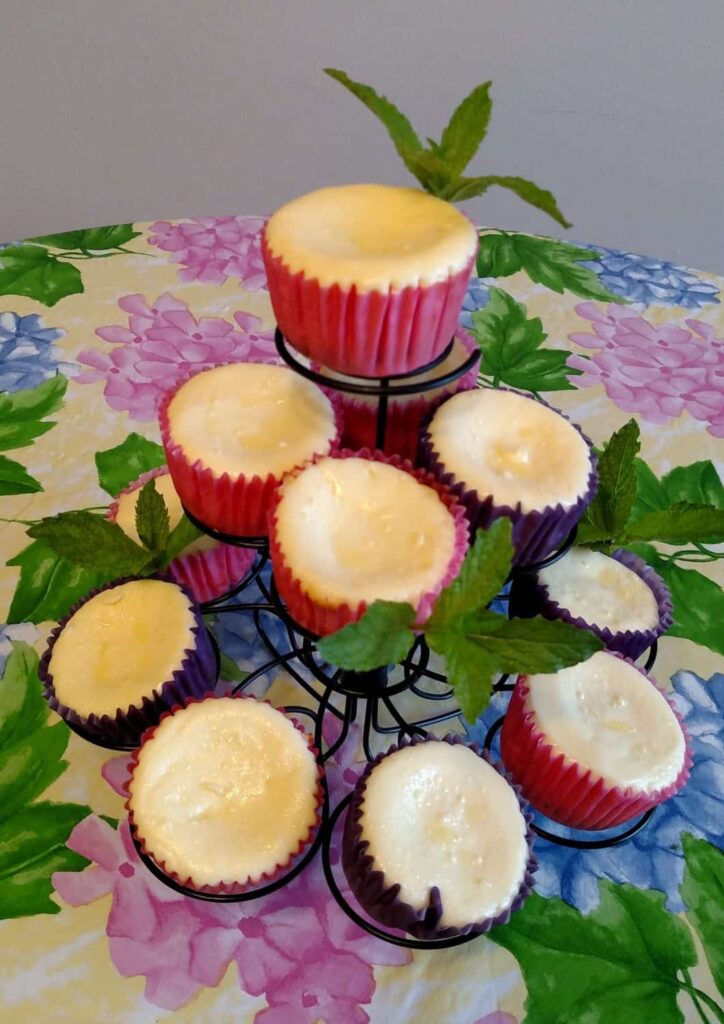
[439,166]
[476,644]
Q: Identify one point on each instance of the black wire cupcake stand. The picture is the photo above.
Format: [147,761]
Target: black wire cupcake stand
[369,697]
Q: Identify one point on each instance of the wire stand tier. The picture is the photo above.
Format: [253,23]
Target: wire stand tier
[391,703]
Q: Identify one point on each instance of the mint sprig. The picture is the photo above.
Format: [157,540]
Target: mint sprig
[91,542]
[631,505]
[439,166]
[476,644]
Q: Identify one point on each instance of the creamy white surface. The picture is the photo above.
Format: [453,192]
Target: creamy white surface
[601,591]
[354,530]
[457,355]
[126,513]
[251,419]
[224,791]
[113,651]
[511,447]
[437,814]
[371,236]
[604,715]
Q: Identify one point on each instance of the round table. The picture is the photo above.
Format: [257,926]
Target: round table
[94,326]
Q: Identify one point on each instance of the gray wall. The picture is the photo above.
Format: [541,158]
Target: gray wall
[116,110]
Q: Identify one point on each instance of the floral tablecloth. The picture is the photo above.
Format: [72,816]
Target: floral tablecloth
[94,326]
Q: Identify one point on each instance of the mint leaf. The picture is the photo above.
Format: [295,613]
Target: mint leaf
[529,645]
[430,170]
[557,265]
[510,345]
[608,513]
[90,239]
[466,128]
[650,494]
[470,671]
[398,127]
[32,848]
[703,891]
[618,964]
[382,636]
[15,479]
[152,524]
[528,191]
[481,578]
[669,525]
[21,412]
[91,542]
[120,466]
[183,534]
[31,271]
[698,603]
[49,585]
[23,709]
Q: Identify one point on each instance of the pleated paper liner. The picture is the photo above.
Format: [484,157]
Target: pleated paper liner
[405,415]
[535,534]
[196,675]
[365,333]
[564,790]
[379,896]
[320,618]
[226,886]
[206,574]
[631,643]
[236,506]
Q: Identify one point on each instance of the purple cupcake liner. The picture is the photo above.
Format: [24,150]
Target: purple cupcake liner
[196,676]
[535,534]
[631,643]
[382,901]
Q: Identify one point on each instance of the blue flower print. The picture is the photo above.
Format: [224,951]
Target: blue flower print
[28,355]
[650,281]
[652,859]
[475,298]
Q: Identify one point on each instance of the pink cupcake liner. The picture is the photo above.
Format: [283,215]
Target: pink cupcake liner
[367,334]
[321,619]
[380,898]
[205,574]
[236,506]
[631,643]
[223,888]
[404,418]
[564,790]
[535,534]
[196,675]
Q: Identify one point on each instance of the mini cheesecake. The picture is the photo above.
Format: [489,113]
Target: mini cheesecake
[507,454]
[618,597]
[206,567]
[436,841]
[594,745]
[125,655]
[224,793]
[368,279]
[352,529]
[231,433]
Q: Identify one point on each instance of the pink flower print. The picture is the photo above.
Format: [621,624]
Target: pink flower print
[163,343]
[497,1017]
[214,248]
[655,371]
[296,946]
